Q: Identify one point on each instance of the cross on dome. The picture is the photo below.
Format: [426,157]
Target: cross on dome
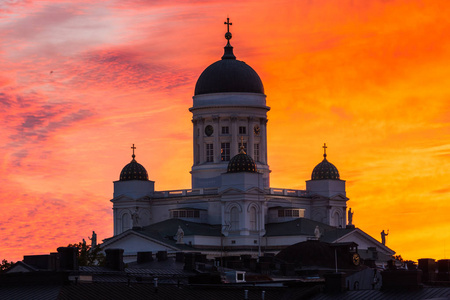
[133,147]
[228,48]
[228,24]
[324,150]
[242,146]
[228,34]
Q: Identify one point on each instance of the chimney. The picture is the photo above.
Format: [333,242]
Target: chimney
[161,255]
[428,267]
[143,257]
[334,282]
[68,258]
[114,259]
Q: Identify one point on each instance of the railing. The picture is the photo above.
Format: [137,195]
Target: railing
[214,191]
[287,192]
[187,192]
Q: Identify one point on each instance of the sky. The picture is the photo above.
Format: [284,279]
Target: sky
[81,81]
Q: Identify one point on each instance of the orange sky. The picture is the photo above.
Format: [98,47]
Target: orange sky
[80,82]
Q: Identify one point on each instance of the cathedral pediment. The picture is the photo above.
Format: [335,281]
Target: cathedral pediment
[125,198]
[234,191]
[339,197]
[363,240]
[132,241]
[334,197]
[121,198]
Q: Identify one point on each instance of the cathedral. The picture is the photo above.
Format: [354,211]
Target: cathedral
[231,207]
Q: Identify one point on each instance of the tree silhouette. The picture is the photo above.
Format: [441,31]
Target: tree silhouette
[88,256]
[5,265]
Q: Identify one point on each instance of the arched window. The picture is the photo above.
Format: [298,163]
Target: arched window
[126,222]
[336,219]
[234,218]
[252,216]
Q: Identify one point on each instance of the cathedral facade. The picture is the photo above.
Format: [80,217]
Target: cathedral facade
[231,204]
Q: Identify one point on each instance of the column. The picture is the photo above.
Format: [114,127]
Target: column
[263,141]
[262,228]
[115,221]
[216,139]
[201,144]
[195,142]
[234,137]
[251,138]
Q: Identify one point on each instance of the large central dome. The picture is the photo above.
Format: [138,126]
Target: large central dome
[229,75]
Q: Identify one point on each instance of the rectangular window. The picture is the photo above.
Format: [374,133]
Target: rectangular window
[225,151]
[256,152]
[245,147]
[209,152]
[225,130]
[242,130]
[185,214]
[289,213]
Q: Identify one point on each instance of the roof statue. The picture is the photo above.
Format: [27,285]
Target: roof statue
[383,236]
[93,240]
[135,218]
[317,233]
[350,216]
[180,235]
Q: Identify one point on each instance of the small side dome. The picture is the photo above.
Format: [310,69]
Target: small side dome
[242,163]
[325,169]
[133,170]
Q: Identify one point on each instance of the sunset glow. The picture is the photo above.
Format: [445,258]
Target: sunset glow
[81,81]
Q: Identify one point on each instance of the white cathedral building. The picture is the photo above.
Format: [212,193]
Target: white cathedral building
[231,206]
